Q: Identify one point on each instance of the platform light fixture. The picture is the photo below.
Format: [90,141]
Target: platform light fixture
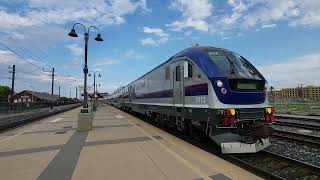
[73,33]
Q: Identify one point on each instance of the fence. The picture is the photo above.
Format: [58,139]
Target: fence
[5,107]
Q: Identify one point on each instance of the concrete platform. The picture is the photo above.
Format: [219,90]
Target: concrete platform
[119,146]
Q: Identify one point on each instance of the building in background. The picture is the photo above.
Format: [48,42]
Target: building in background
[32,96]
[308,92]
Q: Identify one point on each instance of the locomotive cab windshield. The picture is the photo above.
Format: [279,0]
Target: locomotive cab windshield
[241,74]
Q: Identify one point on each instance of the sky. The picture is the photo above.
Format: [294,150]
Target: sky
[280,37]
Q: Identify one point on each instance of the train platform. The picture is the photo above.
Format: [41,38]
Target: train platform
[119,146]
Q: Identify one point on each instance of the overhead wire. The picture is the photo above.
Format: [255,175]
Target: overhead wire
[25,50]
[30,54]
[14,53]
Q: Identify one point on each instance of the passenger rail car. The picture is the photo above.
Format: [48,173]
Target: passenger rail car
[205,91]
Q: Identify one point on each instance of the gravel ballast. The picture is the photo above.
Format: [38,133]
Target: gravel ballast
[306,153]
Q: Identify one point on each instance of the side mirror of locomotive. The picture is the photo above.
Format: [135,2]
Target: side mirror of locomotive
[185,69]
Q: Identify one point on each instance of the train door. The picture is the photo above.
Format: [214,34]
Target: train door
[178,87]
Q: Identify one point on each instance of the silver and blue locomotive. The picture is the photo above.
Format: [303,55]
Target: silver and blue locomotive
[205,91]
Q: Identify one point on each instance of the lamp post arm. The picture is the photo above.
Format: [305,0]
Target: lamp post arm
[93,27]
[84,27]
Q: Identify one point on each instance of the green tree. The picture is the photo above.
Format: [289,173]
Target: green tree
[5,91]
[272,93]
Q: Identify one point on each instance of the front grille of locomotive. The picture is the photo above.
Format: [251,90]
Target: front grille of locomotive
[250,114]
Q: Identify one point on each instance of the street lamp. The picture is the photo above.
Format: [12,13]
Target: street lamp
[73,33]
[94,81]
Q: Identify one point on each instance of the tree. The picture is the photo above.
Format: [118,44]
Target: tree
[272,92]
[5,91]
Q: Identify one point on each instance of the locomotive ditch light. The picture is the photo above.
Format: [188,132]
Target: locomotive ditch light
[233,112]
[228,112]
[268,110]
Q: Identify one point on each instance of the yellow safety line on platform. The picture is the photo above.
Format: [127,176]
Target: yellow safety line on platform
[174,154]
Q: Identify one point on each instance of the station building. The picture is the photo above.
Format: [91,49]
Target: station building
[32,96]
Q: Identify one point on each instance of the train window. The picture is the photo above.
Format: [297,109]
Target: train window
[190,73]
[178,73]
[167,73]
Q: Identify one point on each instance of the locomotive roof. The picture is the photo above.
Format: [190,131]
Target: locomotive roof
[202,48]
[208,48]
[189,50]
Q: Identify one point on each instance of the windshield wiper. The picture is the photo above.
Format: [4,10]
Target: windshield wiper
[247,66]
[233,67]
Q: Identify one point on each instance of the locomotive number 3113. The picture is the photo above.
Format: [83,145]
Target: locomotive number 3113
[201,99]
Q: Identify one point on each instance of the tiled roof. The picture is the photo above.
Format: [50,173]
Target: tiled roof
[42,95]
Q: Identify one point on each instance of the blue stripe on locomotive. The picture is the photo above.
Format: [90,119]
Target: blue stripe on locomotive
[213,72]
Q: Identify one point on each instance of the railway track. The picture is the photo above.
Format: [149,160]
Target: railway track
[265,164]
[275,166]
[302,123]
[298,125]
[302,138]
[23,119]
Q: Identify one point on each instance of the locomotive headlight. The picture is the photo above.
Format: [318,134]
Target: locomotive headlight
[268,110]
[219,83]
[233,112]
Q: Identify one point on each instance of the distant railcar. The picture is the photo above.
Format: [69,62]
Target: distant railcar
[205,91]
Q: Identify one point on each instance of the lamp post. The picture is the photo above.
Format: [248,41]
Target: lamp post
[97,87]
[94,86]
[73,33]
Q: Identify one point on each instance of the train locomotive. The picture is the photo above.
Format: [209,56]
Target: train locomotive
[205,91]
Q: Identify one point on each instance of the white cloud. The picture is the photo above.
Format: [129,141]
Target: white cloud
[38,12]
[269,11]
[149,41]
[39,24]
[268,26]
[155,31]
[194,14]
[106,61]
[295,12]
[238,7]
[75,49]
[161,36]
[132,54]
[290,73]
[258,14]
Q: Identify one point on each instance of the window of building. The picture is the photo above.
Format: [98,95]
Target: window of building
[178,73]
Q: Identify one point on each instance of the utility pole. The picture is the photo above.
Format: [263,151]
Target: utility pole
[13,71]
[59,91]
[76,92]
[70,94]
[94,86]
[52,85]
